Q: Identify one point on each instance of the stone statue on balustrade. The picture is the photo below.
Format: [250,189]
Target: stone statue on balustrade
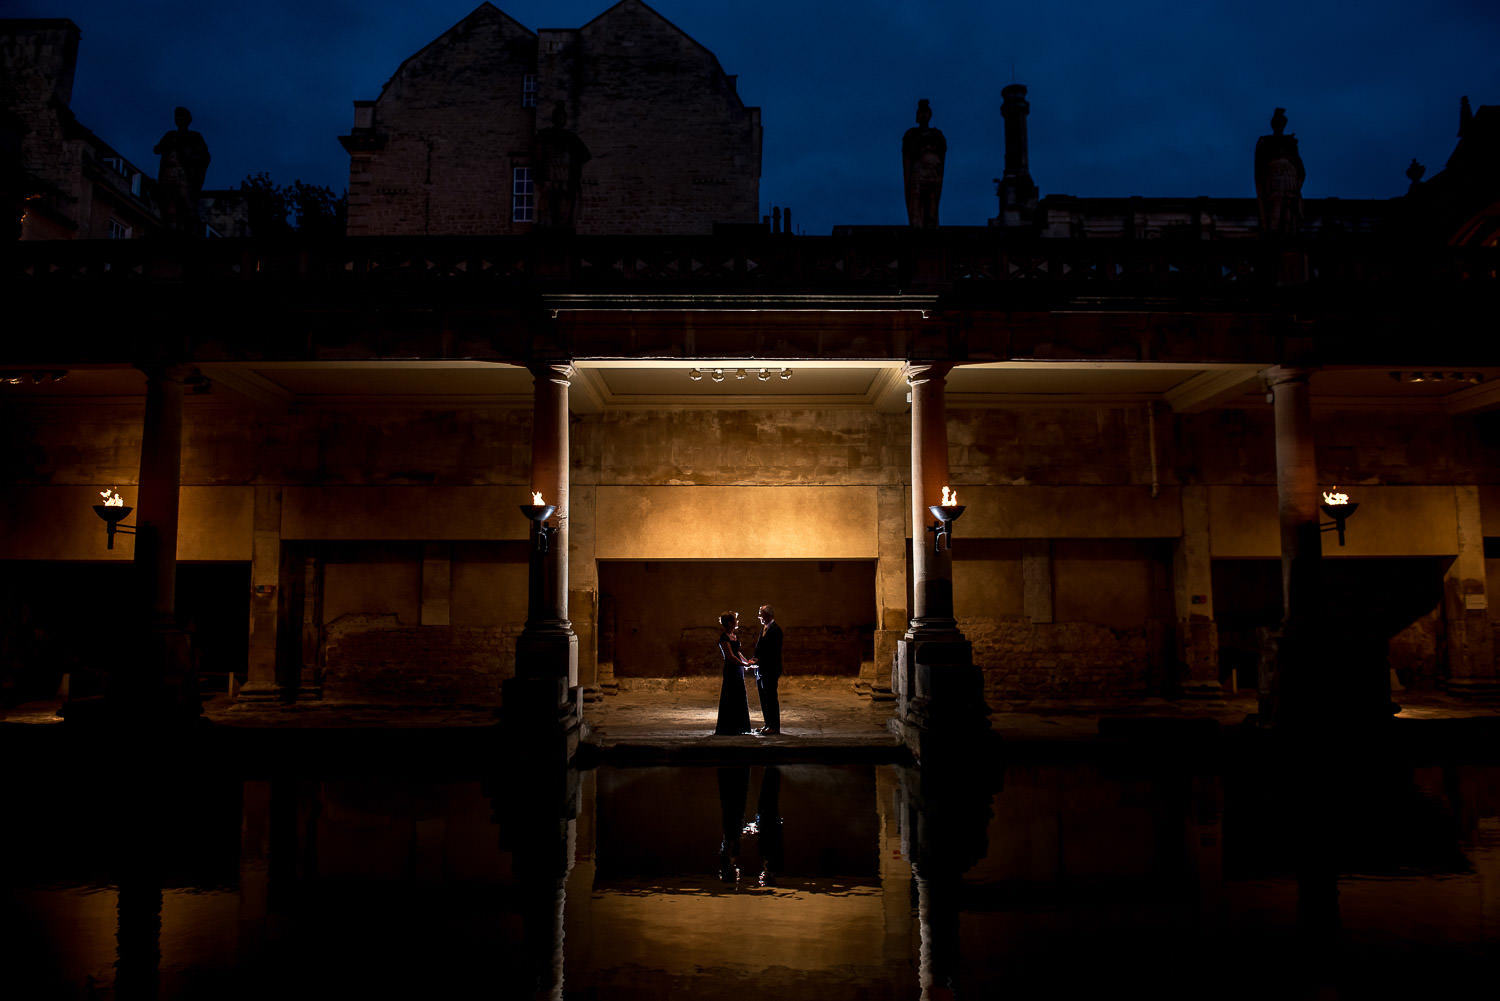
[923,152]
[560,156]
[179,179]
[1278,180]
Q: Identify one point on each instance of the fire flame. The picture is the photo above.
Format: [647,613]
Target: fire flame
[950,498]
[112,498]
[536,498]
[1334,498]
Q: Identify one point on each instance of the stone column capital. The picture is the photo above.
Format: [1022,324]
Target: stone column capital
[915,372]
[164,369]
[561,372]
[1280,375]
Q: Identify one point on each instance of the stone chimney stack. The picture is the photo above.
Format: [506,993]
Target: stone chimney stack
[38,57]
[1016,190]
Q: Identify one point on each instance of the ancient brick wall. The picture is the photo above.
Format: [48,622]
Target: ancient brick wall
[1023,660]
[37,59]
[674,149]
[453,126]
[376,658]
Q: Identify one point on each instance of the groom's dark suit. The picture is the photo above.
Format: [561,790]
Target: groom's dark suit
[768,660]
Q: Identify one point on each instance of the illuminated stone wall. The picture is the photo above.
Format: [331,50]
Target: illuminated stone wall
[1042,485]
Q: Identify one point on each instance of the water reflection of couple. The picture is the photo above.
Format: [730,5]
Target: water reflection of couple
[734,707]
[734,786]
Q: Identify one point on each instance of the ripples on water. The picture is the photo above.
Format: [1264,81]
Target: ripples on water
[1062,880]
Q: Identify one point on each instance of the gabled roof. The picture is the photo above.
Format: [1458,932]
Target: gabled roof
[484,11]
[658,15]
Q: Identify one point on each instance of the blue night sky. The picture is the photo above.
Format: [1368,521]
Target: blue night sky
[1143,98]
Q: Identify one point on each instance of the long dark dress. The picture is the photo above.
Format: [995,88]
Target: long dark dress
[734,707]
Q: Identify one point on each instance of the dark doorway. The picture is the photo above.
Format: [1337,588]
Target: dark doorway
[1385,610]
[213,601]
[662,614]
[74,618]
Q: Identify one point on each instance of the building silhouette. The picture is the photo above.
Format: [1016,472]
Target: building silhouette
[450,145]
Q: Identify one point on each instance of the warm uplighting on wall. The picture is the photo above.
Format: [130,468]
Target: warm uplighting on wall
[740,374]
[1336,505]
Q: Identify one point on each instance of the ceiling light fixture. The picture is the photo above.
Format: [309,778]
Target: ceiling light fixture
[740,374]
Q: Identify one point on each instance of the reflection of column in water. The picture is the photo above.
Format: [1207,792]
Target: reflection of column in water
[937,915]
[137,840]
[945,829]
[578,923]
[543,870]
[895,872]
[540,809]
[138,937]
[768,826]
[1206,845]
[734,787]
[255,868]
[1319,927]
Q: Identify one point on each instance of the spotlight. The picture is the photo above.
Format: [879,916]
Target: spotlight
[764,376]
[718,375]
[740,374]
[786,374]
[695,375]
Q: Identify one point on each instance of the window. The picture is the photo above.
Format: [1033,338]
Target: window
[135,184]
[528,90]
[210,233]
[117,164]
[522,196]
[117,230]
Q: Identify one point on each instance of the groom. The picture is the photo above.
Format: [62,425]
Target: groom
[768,669]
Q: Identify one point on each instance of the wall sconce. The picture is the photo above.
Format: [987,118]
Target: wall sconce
[946,514]
[113,511]
[1336,505]
[538,513]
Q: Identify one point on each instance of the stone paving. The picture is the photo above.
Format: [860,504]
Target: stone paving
[821,717]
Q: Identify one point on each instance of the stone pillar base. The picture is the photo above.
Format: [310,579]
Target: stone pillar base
[542,716]
[259,694]
[1202,690]
[548,651]
[940,695]
[1477,689]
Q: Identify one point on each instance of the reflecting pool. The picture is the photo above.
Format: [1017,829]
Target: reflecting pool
[1153,874]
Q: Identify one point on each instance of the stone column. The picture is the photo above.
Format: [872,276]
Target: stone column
[265,603]
[1193,596]
[932,572]
[940,694]
[1471,647]
[160,681]
[1300,690]
[546,676]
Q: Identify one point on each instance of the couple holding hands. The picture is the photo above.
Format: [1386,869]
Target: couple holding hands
[764,661]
